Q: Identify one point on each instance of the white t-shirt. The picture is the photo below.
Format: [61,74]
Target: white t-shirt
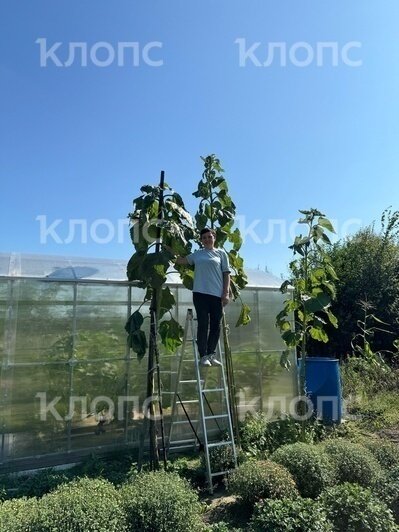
[209,265]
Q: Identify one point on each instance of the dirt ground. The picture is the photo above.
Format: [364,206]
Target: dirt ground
[223,507]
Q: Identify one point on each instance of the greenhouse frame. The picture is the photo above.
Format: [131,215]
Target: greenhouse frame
[69,384]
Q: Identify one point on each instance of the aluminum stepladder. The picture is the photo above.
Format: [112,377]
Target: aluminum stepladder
[204,413]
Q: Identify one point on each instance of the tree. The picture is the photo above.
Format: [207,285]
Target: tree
[367,265]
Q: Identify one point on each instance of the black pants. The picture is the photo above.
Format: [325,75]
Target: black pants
[209,311]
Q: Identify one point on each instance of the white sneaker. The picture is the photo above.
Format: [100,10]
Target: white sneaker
[214,361]
[205,361]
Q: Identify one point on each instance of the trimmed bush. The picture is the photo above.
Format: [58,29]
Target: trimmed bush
[40,483]
[161,501]
[387,490]
[311,468]
[19,515]
[260,437]
[385,452]
[261,479]
[352,508]
[89,505]
[353,463]
[286,515]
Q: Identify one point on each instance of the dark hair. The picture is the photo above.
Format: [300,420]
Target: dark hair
[207,230]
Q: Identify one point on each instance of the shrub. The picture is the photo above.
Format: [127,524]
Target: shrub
[260,437]
[286,515]
[221,526]
[19,515]
[386,453]
[352,508]
[189,468]
[89,505]
[261,479]
[161,501]
[41,483]
[387,489]
[353,463]
[311,468]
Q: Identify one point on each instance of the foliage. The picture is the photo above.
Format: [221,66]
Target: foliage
[149,220]
[312,279]
[353,463]
[20,515]
[367,265]
[386,453]
[378,412]
[161,501]
[311,469]
[354,509]
[287,515]
[261,437]
[92,505]
[3,494]
[261,479]
[217,211]
[221,526]
[366,377]
[387,491]
[41,483]
[190,469]
[221,458]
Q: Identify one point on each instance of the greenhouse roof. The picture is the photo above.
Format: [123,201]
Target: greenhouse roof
[63,268]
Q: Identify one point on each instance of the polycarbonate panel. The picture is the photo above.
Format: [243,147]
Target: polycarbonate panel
[4,264]
[270,303]
[35,408]
[278,385]
[243,338]
[44,321]
[4,291]
[101,314]
[99,389]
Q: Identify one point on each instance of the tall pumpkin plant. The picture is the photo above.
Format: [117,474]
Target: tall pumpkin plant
[312,283]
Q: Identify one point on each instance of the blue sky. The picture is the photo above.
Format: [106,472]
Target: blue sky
[78,142]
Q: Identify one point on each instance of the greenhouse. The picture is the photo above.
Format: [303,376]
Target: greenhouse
[69,384]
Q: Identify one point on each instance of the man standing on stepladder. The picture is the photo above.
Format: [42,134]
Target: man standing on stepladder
[210,293]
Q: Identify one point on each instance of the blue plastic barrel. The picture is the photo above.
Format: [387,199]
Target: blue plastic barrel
[323,386]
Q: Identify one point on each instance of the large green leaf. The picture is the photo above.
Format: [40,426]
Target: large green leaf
[171,333]
[167,301]
[317,333]
[244,317]
[136,337]
[135,265]
[316,304]
[325,222]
